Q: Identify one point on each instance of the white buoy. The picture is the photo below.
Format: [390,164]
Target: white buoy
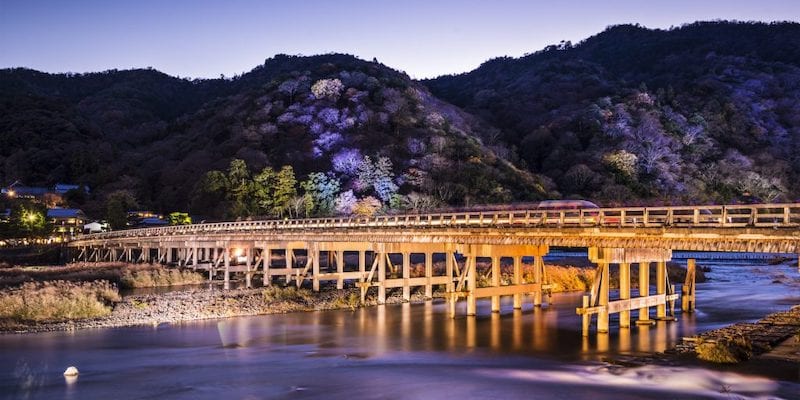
[71,371]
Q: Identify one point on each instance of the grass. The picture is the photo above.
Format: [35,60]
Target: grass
[289,294]
[58,301]
[725,351]
[123,274]
[156,277]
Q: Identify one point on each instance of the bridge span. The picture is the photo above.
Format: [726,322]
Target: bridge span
[471,249]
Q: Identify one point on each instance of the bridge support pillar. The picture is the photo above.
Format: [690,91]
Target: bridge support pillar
[472,283]
[266,259]
[688,289]
[600,297]
[340,269]
[599,302]
[226,258]
[248,274]
[644,291]
[538,277]
[624,293]
[496,283]
[381,276]
[406,276]
[428,275]
[315,266]
[517,281]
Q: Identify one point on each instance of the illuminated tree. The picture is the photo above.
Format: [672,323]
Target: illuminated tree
[179,218]
[367,207]
[327,89]
[320,191]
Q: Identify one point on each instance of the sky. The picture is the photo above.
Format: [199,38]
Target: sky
[424,38]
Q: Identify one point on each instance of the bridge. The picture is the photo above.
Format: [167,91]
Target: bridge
[470,247]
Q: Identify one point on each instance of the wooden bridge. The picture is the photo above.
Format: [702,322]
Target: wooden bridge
[470,248]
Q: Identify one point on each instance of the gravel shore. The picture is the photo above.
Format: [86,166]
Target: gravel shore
[198,304]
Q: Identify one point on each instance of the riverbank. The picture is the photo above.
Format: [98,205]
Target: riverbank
[745,340]
[212,303]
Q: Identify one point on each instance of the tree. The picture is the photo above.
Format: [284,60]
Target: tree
[285,190]
[30,221]
[327,89]
[118,203]
[320,191]
[179,218]
[264,189]
[377,176]
[367,207]
[240,189]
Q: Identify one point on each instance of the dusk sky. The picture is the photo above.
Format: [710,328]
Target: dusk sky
[425,38]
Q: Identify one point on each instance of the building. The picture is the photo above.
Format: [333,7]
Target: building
[67,222]
[96,227]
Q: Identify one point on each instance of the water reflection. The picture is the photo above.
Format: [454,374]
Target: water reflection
[406,350]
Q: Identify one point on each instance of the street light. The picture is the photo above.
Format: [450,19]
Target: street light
[11,193]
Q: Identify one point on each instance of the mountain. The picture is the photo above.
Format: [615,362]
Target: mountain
[155,136]
[704,113]
[707,112]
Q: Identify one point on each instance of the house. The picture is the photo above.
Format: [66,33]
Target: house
[5,215]
[95,227]
[25,192]
[66,222]
[63,188]
[152,222]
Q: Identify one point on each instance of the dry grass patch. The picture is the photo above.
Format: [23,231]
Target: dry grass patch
[58,301]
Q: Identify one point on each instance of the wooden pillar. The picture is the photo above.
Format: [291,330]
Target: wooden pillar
[227,260]
[169,255]
[496,282]
[381,276]
[315,264]
[266,259]
[449,260]
[661,287]
[624,293]
[586,318]
[289,254]
[602,299]
[248,274]
[644,290]
[472,283]
[340,269]
[428,275]
[195,257]
[688,289]
[538,275]
[362,262]
[517,281]
[406,276]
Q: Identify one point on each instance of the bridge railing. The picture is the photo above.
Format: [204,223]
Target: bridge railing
[715,216]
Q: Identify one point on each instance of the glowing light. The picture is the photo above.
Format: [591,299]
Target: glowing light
[11,193]
[238,252]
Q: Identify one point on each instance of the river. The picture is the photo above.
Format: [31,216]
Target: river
[406,351]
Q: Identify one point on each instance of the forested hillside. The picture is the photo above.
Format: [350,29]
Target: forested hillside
[709,112]
[361,130]
[701,113]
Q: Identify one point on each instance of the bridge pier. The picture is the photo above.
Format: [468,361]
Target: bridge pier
[599,303]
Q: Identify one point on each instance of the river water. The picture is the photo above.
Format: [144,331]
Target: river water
[406,351]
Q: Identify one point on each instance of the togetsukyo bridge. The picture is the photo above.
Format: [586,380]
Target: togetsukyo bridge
[469,246]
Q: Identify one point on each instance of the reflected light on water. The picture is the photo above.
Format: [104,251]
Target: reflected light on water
[687,381]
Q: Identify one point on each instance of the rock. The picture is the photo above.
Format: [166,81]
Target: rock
[71,371]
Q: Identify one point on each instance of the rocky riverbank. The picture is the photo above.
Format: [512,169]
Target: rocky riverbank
[743,341]
[198,304]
